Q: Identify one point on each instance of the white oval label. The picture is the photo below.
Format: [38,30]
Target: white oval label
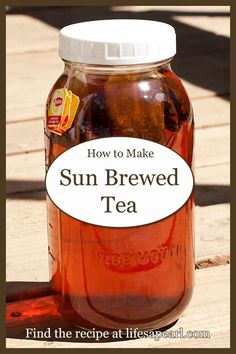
[119,182]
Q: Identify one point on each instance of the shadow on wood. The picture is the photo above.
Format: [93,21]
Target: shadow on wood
[211,194]
[31,305]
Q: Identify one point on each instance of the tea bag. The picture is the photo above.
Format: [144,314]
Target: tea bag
[135,106]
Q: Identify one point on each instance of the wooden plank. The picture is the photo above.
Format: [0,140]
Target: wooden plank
[30,77]
[219,25]
[212,230]
[18,141]
[218,175]
[25,172]
[198,92]
[212,111]
[27,258]
[25,33]
[176,9]
[27,255]
[212,290]
[212,146]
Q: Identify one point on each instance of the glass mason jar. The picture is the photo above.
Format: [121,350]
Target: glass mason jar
[114,278]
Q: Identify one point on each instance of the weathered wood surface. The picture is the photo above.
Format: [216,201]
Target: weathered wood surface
[32,68]
[211,283]
[32,35]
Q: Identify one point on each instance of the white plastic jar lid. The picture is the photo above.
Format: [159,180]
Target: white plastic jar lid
[117,42]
